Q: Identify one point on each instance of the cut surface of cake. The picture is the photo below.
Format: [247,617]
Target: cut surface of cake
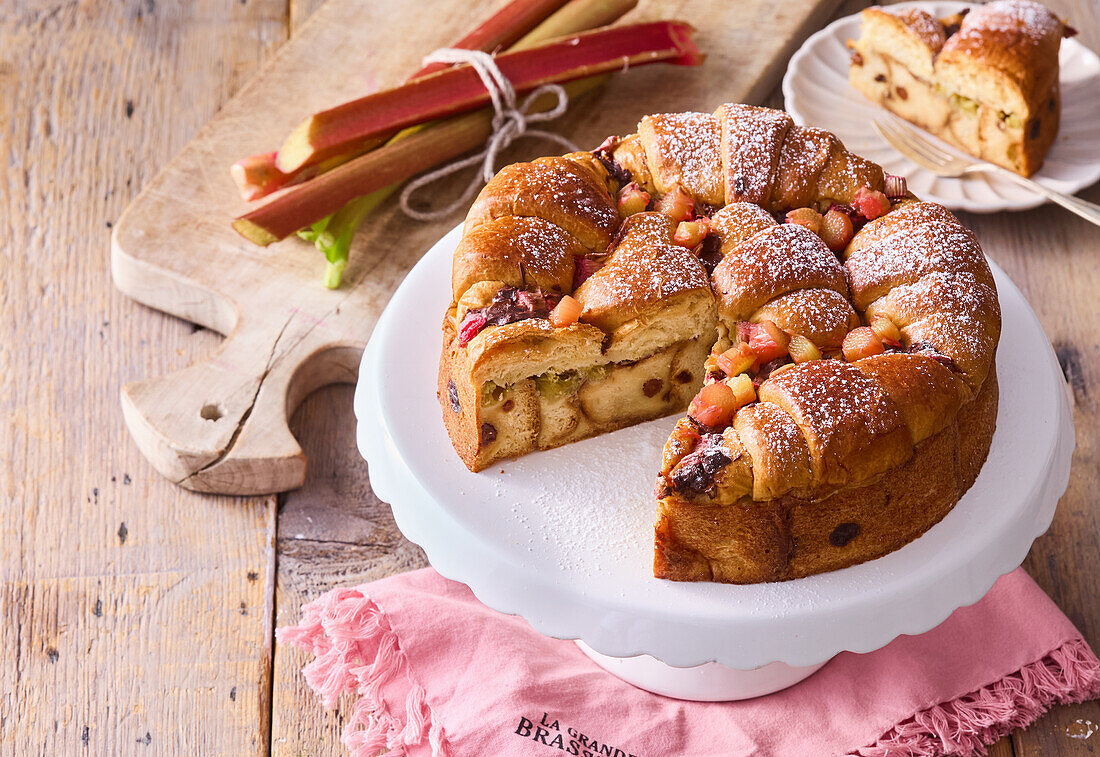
[831,337]
[985,80]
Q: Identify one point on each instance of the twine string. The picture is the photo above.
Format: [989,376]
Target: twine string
[510,122]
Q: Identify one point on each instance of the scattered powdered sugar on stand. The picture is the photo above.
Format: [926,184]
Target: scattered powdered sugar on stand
[1082,729]
[613,532]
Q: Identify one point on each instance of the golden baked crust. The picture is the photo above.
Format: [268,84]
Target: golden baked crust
[989,87]
[877,441]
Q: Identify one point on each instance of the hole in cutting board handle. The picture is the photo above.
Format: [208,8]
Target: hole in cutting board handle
[210,412]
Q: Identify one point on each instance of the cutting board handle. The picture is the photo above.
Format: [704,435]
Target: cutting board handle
[221,424]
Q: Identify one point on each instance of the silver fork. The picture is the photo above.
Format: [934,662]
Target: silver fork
[912,144]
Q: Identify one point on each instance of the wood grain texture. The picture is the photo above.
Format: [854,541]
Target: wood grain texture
[221,425]
[136,616]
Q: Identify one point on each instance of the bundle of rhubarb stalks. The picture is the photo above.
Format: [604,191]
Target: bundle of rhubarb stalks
[341,163]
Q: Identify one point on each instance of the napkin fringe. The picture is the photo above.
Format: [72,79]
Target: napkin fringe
[344,630]
[967,725]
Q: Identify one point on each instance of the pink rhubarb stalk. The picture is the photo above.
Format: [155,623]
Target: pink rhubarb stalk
[258,176]
[345,128]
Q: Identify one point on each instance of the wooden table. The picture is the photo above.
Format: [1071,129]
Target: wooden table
[138,617]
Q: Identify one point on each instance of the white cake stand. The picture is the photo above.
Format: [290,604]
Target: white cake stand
[564,537]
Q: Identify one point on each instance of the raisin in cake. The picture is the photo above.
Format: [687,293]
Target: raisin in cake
[985,81]
[835,344]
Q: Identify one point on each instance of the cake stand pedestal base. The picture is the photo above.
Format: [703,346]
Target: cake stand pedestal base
[709,682]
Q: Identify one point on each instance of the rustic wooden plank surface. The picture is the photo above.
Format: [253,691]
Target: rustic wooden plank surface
[136,616]
[132,640]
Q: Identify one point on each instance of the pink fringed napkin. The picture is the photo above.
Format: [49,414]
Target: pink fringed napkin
[435,672]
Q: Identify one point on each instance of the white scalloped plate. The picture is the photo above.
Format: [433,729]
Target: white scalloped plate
[816,92]
[564,537]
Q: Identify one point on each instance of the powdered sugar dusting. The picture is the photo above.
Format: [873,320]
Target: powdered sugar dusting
[690,149]
[539,253]
[618,510]
[821,315]
[644,268]
[752,138]
[653,273]
[956,294]
[787,251]
[556,187]
[804,154]
[542,243]
[956,314]
[833,403]
[1032,21]
[916,250]
[779,259]
[780,436]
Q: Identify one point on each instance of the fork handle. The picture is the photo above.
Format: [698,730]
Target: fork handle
[1087,210]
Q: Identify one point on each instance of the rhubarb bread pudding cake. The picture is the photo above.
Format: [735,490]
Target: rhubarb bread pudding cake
[985,81]
[831,337]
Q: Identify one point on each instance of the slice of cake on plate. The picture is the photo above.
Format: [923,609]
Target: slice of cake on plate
[985,80]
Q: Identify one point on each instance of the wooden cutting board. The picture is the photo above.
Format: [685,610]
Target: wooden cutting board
[220,425]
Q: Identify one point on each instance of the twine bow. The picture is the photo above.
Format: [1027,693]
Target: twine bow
[509,123]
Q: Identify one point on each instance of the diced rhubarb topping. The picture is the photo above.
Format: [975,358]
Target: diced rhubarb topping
[743,390]
[471,326]
[802,350]
[737,359]
[527,305]
[507,306]
[885,329]
[677,205]
[870,203]
[690,234]
[632,199]
[836,229]
[583,268]
[714,405]
[861,343]
[895,186]
[807,217]
[566,312]
[768,341]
